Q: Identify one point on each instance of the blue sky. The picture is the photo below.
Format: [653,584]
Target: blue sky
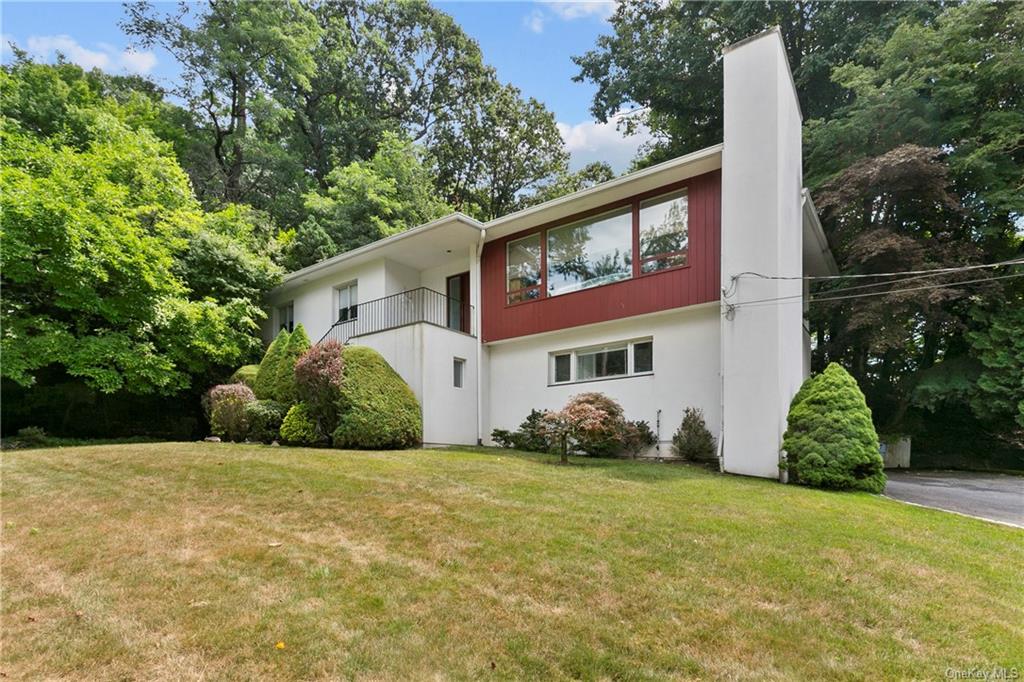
[531,45]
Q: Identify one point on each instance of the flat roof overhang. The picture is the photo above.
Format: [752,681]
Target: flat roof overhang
[423,247]
[619,189]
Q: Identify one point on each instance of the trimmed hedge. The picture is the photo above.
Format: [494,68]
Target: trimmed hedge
[830,441]
[265,418]
[246,374]
[266,376]
[284,390]
[298,427]
[376,408]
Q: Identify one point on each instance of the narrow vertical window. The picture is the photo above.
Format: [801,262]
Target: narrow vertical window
[562,368]
[458,371]
[664,232]
[286,316]
[348,301]
[643,357]
[523,269]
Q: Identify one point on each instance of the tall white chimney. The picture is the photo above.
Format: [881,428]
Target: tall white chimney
[762,343]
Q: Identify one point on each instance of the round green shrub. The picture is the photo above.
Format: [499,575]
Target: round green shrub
[266,376]
[226,404]
[246,374]
[265,418]
[692,440]
[830,441]
[298,427]
[284,390]
[318,382]
[376,408]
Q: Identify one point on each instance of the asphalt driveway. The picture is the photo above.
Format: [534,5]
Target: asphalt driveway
[996,497]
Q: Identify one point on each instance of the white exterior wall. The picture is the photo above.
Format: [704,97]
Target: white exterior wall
[686,347]
[762,345]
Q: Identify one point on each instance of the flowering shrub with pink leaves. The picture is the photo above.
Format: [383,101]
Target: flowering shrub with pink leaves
[224,405]
[318,382]
[575,423]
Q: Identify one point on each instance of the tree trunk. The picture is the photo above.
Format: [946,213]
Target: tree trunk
[233,185]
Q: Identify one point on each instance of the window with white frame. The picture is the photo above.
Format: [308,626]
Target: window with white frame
[347,298]
[608,361]
[286,316]
[458,372]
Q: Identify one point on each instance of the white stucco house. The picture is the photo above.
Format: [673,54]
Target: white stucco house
[629,288]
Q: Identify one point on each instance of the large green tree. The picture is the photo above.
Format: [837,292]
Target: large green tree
[663,60]
[890,204]
[490,156]
[98,225]
[235,57]
[366,201]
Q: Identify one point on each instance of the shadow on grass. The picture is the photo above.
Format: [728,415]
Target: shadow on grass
[635,470]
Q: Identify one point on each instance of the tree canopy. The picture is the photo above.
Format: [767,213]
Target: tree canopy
[102,276]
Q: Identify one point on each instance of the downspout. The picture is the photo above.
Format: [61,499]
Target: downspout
[727,312]
[478,314]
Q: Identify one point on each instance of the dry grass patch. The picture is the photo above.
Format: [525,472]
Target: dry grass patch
[191,561]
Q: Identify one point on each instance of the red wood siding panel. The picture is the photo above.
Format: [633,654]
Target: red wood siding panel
[698,282]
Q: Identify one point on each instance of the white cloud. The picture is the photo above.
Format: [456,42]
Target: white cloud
[591,141]
[107,57]
[535,21]
[582,9]
[138,62]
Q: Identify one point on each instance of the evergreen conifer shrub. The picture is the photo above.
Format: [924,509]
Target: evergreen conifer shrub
[284,390]
[830,441]
[692,440]
[376,408]
[266,375]
[246,374]
[299,428]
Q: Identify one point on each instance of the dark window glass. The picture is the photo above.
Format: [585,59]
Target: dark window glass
[643,357]
[604,363]
[563,364]
[458,370]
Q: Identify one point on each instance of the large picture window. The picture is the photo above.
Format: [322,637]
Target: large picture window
[523,270]
[620,359]
[639,238]
[589,254]
[664,237]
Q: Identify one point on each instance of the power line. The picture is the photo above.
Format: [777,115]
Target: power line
[820,299]
[959,268]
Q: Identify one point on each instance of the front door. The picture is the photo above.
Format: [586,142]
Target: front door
[457,290]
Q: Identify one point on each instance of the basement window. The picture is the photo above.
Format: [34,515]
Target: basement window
[458,372]
[610,361]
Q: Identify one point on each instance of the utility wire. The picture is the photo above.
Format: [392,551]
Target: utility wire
[959,268]
[823,299]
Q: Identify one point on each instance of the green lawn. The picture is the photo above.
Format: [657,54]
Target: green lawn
[192,561]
